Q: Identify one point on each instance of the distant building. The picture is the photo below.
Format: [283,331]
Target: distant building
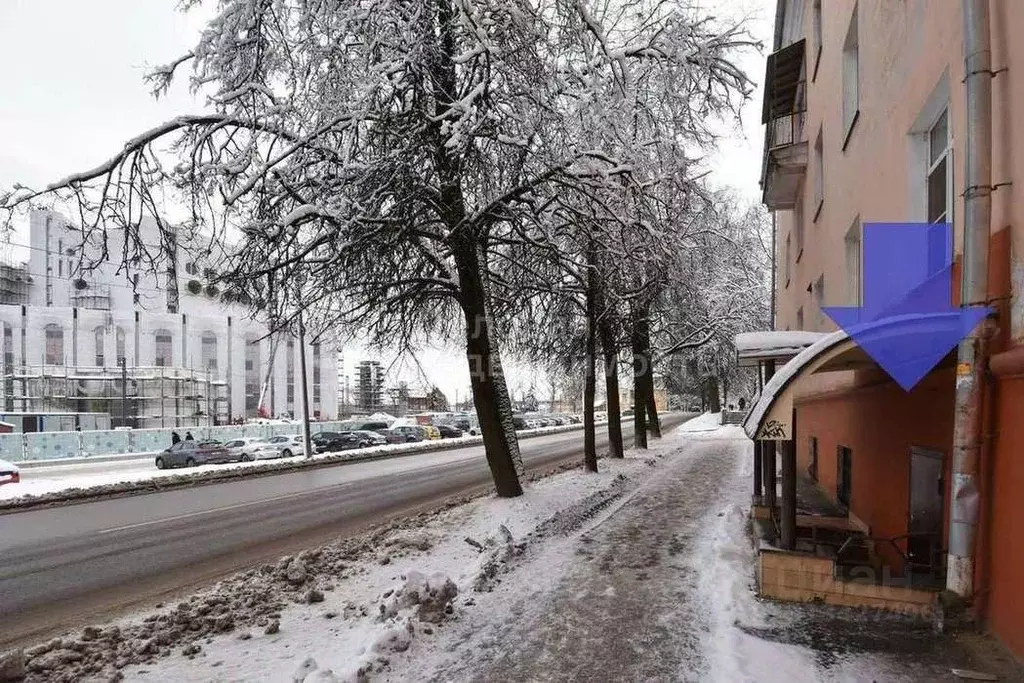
[191,357]
[433,401]
[370,386]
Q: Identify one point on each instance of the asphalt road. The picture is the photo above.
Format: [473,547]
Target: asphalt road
[61,565]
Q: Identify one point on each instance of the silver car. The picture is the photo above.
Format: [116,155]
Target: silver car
[282,446]
[244,449]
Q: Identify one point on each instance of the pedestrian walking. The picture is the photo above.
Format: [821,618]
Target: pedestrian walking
[188,436]
[175,438]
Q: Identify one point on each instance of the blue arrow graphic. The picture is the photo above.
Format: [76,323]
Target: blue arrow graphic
[907,323]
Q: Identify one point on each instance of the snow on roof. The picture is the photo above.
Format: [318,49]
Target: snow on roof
[886,326]
[774,341]
[786,373]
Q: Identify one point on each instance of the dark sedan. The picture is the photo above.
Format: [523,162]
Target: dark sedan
[449,432]
[193,454]
[330,442]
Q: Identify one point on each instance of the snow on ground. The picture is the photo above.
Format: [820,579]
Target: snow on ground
[641,572]
[708,422]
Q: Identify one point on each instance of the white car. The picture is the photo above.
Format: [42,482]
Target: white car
[9,473]
[244,449]
[282,446]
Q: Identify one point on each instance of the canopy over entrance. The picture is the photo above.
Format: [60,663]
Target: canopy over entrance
[771,416]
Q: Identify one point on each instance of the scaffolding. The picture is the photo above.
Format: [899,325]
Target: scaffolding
[139,397]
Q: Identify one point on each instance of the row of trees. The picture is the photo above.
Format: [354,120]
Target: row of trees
[524,173]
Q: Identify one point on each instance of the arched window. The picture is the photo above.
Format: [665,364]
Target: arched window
[209,351]
[164,352]
[98,335]
[54,350]
[120,345]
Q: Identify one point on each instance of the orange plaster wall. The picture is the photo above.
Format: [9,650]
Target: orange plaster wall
[880,424]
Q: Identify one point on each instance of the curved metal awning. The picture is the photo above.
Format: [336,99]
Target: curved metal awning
[771,415]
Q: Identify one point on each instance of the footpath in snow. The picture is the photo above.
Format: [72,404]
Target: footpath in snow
[641,572]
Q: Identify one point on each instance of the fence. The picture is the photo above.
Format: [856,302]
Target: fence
[57,445]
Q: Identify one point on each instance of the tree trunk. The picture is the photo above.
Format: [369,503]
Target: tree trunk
[639,391]
[487,380]
[648,380]
[714,403]
[589,437]
[610,351]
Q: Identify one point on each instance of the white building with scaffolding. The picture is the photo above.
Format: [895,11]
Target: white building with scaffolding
[152,345]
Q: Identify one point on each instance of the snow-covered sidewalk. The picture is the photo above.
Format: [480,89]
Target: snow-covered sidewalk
[641,572]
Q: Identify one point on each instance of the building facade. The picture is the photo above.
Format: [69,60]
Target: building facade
[867,120]
[72,315]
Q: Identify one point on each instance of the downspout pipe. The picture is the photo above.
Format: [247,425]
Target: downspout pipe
[970,371]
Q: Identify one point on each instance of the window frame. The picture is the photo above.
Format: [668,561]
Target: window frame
[851,63]
[818,40]
[931,166]
[819,173]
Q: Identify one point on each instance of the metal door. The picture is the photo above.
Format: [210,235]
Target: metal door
[926,505]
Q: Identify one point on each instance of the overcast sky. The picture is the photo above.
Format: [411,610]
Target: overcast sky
[72,91]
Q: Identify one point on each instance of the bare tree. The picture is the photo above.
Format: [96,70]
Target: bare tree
[392,152]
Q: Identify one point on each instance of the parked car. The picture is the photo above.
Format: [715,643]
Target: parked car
[411,433]
[430,432]
[520,423]
[243,449]
[366,425]
[391,436]
[192,454]
[332,442]
[449,432]
[368,438]
[9,473]
[282,446]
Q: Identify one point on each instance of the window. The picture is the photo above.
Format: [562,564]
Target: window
[290,374]
[252,374]
[854,294]
[172,290]
[54,353]
[209,351]
[316,374]
[119,341]
[812,467]
[98,335]
[939,171]
[819,174]
[191,268]
[819,298]
[798,226]
[817,38]
[800,318]
[60,258]
[851,78]
[8,346]
[787,265]
[844,468]
[164,353]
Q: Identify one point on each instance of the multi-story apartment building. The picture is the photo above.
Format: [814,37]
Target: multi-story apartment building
[189,356]
[370,386]
[872,115]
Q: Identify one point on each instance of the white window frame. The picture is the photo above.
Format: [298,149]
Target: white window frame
[854,264]
[930,166]
[818,41]
[851,77]
[819,173]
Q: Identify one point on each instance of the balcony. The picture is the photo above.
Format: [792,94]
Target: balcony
[784,163]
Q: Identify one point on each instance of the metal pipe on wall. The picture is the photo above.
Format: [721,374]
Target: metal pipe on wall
[970,370]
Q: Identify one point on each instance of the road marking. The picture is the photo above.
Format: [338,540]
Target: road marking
[211,511]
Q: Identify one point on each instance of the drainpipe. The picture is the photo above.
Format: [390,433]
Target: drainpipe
[970,370]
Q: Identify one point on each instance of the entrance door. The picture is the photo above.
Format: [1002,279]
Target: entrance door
[926,508]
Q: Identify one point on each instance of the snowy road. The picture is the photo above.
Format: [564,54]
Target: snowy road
[81,559]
